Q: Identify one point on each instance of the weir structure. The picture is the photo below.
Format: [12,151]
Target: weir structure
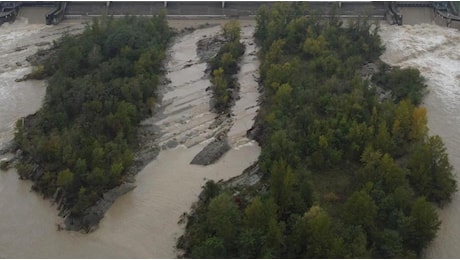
[442,13]
[187,10]
[413,12]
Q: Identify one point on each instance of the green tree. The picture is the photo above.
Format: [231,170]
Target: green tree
[65,178]
[231,31]
[250,243]
[421,226]
[212,247]
[224,218]
[314,236]
[430,171]
[390,245]
[360,209]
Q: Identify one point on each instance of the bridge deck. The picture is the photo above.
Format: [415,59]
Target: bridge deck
[239,8]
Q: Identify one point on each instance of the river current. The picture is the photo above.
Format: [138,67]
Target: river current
[435,51]
[144,222]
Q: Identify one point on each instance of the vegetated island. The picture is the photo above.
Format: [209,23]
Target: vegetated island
[222,66]
[80,148]
[347,168]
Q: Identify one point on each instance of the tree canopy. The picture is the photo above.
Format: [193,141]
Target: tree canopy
[101,84]
[345,174]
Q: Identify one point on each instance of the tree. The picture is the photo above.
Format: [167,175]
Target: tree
[231,31]
[355,240]
[430,171]
[419,121]
[65,178]
[402,122]
[259,213]
[282,183]
[390,245]
[383,140]
[360,209]
[315,47]
[224,218]
[250,243]
[212,247]
[421,225]
[262,19]
[210,190]
[314,236]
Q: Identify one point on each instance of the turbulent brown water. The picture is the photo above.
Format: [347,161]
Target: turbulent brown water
[144,222]
[435,51]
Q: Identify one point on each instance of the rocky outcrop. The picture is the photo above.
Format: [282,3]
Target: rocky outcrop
[94,214]
[208,47]
[250,177]
[212,152]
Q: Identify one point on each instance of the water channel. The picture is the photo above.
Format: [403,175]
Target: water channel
[143,223]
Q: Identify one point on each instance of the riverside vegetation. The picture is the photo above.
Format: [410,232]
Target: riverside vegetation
[80,144]
[344,173]
[224,65]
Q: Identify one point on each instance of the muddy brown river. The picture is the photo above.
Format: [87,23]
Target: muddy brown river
[144,222]
[435,51]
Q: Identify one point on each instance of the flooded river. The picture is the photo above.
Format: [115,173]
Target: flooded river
[435,51]
[144,222]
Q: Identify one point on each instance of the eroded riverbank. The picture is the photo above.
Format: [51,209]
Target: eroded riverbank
[172,184]
[143,223]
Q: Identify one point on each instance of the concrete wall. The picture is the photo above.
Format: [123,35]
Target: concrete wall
[416,15]
[442,21]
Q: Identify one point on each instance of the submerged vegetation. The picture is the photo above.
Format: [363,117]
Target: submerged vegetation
[345,174]
[101,84]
